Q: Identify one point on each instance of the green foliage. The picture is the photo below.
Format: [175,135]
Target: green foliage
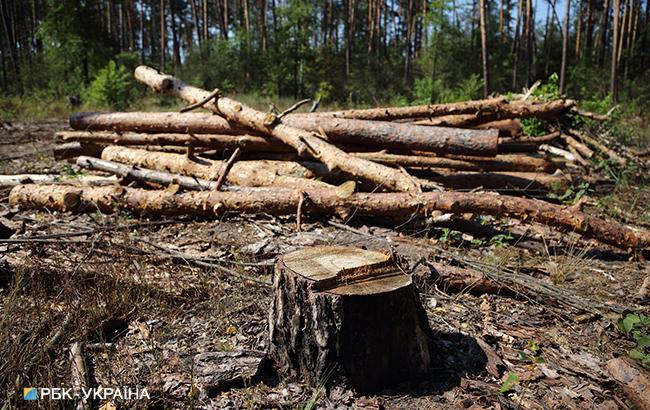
[112,87]
[501,240]
[449,235]
[509,383]
[532,353]
[549,90]
[534,127]
[428,91]
[637,327]
[570,195]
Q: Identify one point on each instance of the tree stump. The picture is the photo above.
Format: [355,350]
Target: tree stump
[347,315]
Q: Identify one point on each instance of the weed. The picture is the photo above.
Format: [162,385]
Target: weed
[501,240]
[570,195]
[637,327]
[509,383]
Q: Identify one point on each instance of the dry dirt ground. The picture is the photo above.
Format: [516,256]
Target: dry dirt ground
[180,306]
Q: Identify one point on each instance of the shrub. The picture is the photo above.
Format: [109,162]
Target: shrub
[111,88]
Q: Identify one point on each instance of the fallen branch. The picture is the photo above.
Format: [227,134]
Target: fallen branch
[302,141]
[600,147]
[285,202]
[578,146]
[244,173]
[22,179]
[146,175]
[465,280]
[497,108]
[227,166]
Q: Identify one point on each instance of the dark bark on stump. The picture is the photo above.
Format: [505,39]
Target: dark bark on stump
[348,315]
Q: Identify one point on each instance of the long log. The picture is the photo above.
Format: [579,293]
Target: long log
[216,141]
[154,122]
[302,141]
[384,134]
[350,132]
[498,163]
[495,108]
[23,179]
[500,181]
[285,202]
[244,173]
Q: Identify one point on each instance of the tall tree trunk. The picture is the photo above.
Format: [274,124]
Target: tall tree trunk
[244,5]
[163,35]
[197,27]
[644,41]
[612,77]
[578,30]
[515,43]
[588,29]
[530,44]
[11,42]
[602,34]
[621,33]
[142,36]
[484,48]
[176,52]
[206,24]
[264,34]
[548,39]
[565,46]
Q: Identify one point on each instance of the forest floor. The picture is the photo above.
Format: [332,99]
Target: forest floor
[161,303]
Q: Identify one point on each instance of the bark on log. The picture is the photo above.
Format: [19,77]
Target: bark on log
[581,148]
[216,141]
[498,163]
[302,141]
[508,128]
[351,132]
[245,173]
[342,314]
[600,146]
[154,122]
[384,134]
[498,106]
[526,144]
[284,202]
[501,181]
[86,180]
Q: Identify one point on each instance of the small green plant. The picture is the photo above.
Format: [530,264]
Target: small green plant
[112,87]
[477,242]
[637,327]
[70,172]
[531,354]
[571,195]
[501,240]
[509,383]
[448,235]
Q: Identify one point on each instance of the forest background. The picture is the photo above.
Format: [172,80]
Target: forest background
[58,55]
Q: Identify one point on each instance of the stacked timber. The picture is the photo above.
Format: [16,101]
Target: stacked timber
[376,162]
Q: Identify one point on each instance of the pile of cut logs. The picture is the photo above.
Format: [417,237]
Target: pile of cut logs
[388,162]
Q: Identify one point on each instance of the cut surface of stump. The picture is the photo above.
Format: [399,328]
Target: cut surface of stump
[348,315]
